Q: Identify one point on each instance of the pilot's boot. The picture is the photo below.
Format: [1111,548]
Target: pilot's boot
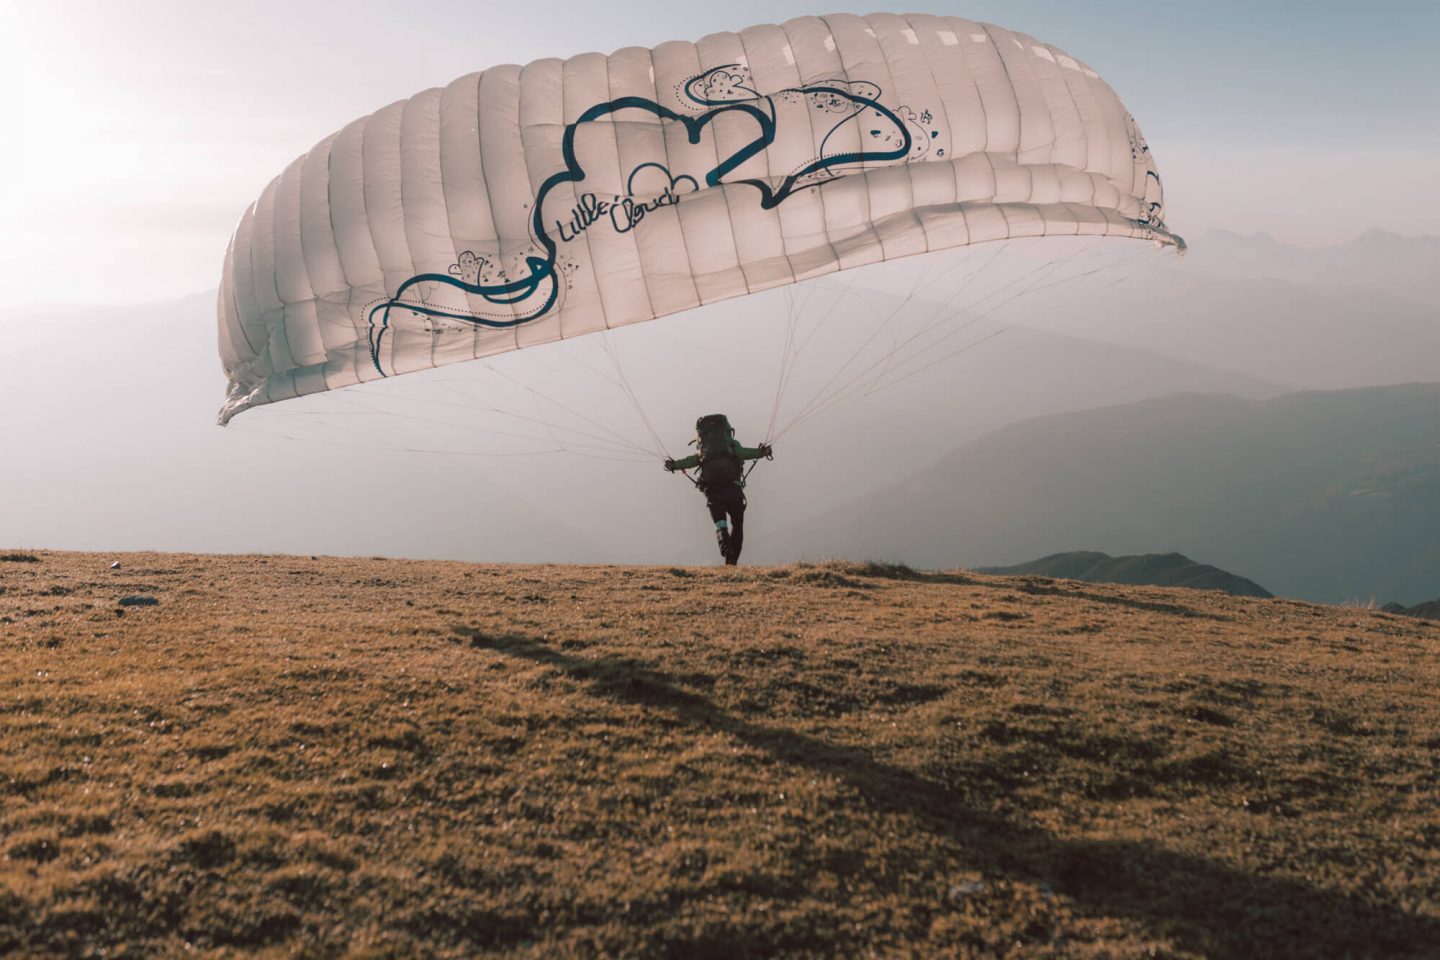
[732,546]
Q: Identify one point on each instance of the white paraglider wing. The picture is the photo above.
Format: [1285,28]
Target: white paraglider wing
[523,205]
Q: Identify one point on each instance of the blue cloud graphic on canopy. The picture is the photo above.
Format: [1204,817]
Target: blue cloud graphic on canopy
[533,285]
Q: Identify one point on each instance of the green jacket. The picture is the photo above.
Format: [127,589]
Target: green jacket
[743,452]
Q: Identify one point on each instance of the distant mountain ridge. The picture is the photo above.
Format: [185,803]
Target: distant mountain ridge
[1326,495]
[1150,569]
[1405,267]
[1307,335]
[1425,611]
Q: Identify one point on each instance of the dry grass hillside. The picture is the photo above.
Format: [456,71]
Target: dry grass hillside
[287,756]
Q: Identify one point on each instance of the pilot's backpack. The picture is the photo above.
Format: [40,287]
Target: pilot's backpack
[718,462]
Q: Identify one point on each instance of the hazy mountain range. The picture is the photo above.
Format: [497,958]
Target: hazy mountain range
[1328,496]
[1430,610]
[1360,314]
[1405,268]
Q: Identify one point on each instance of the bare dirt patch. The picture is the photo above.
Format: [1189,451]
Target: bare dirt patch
[376,757]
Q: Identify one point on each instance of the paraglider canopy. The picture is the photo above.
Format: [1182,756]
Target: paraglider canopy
[522,205]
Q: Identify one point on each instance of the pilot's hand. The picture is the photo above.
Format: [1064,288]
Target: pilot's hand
[670,466]
[767,451]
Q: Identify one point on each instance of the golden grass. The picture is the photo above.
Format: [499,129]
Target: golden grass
[322,757]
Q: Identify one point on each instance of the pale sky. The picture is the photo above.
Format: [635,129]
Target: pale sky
[137,132]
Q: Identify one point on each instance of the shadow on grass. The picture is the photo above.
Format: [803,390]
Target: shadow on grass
[1042,586]
[1051,588]
[1203,905]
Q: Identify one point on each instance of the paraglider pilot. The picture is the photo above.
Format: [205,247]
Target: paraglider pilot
[722,478]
